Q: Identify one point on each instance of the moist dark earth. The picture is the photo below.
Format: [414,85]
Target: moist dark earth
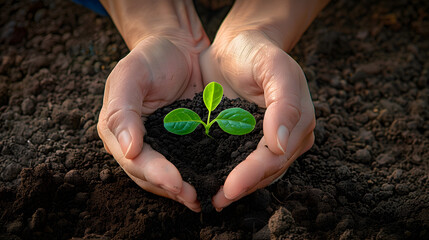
[366,177]
[204,161]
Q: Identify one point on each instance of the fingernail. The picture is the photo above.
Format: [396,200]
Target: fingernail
[282,137]
[124,139]
[197,210]
[235,195]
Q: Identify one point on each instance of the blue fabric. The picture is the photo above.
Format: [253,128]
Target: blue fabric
[94,5]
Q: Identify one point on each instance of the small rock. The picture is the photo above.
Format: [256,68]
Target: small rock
[384,194]
[322,109]
[11,171]
[337,153]
[73,177]
[87,124]
[28,106]
[81,197]
[320,132]
[365,137]
[73,118]
[106,175]
[385,116]
[416,159]
[347,235]
[38,138]
[345,223]
[235,154]
[280,222]
[343,172]
[387,187]
[368,197]
[58,178]
[14,227]
[396,175]
[384,234]
[402,189]
[70,160]
[38,219]
[97,67]
[84,214]
[385,158]
[58,114]
[91,133]
[363,156]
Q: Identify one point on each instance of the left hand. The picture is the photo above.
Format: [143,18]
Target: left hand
[252,66]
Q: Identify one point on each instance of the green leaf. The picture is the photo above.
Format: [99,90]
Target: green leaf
[182,121]
[212,95]
[236,121]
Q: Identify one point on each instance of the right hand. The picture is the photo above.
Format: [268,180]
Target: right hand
[250,65]
[156,72]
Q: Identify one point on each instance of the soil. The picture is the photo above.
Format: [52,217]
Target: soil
[366,176]
[204,161]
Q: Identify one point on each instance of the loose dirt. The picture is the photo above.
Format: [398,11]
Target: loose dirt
[366,176]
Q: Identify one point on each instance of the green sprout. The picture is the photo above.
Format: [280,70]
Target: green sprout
[235,121]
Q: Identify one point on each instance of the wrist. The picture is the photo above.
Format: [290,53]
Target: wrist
[283,21]
[137,20]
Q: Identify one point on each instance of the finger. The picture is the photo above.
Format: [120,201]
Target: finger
[260,164]
[152,166]
[306,144]
[187,196]
[149,165]
[122,106]
[303,130]
[283,96]
[240,181]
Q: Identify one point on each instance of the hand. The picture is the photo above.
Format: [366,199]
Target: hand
[161,68]
[252,66]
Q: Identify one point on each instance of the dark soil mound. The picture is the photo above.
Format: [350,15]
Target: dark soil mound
[202,161]
[366,177]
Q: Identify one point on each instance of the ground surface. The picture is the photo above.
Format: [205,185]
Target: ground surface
[204,161]
[366,176]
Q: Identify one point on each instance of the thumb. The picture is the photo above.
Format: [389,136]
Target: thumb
[282,94]
[122,108]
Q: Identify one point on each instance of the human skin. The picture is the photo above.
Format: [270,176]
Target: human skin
[171,58]
[165,39]
[249,58]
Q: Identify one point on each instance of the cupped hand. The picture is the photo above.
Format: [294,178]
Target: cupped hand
[252,66]
[156,72]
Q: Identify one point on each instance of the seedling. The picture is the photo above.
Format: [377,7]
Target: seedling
[235,121]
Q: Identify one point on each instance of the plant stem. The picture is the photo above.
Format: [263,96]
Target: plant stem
[208,117]
[207,126]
